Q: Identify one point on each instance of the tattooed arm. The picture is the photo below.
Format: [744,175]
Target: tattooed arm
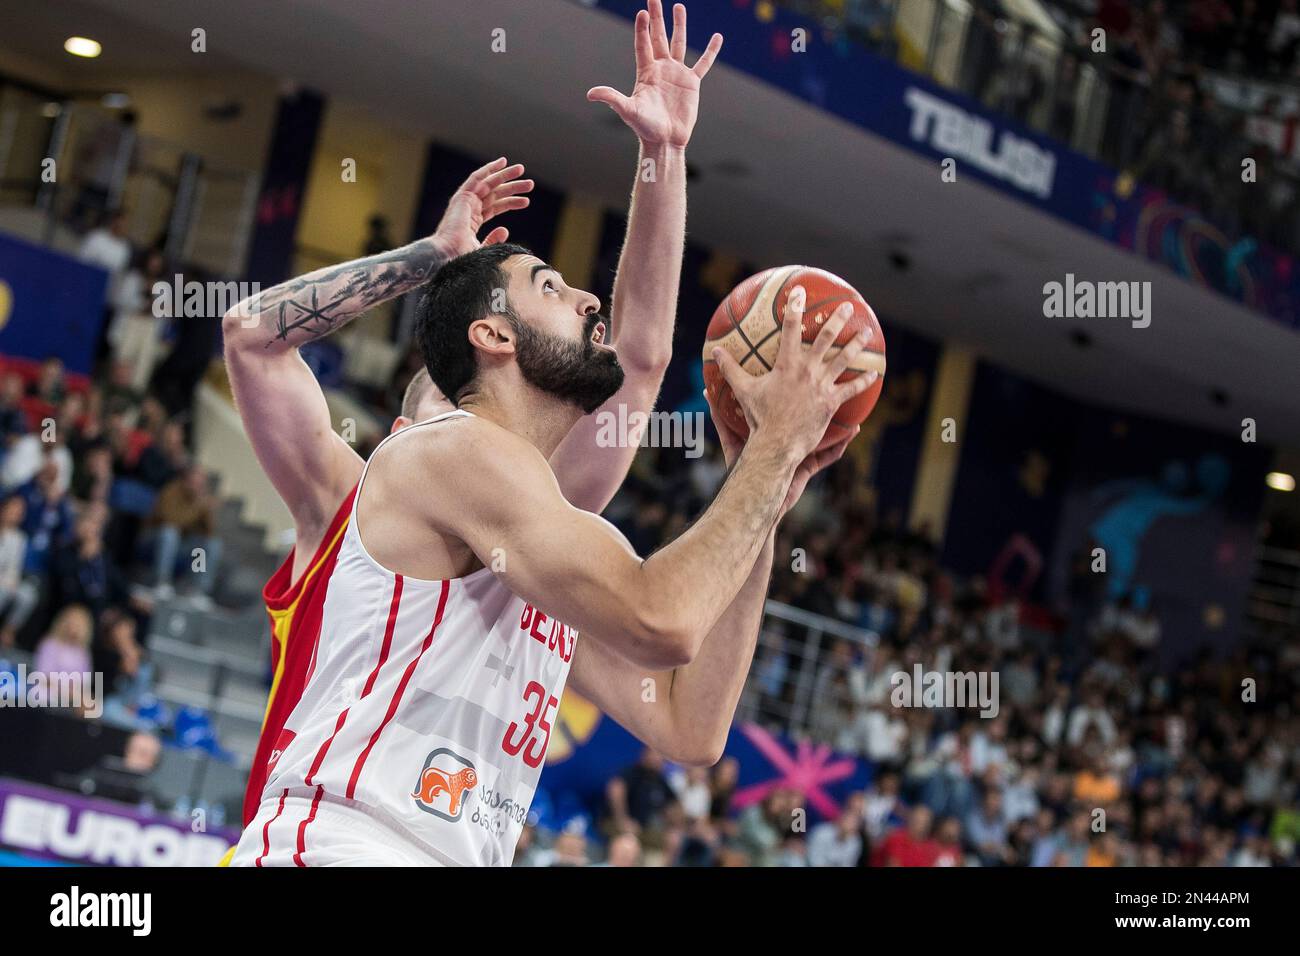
[282,406]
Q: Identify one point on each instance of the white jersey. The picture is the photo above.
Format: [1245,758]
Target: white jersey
[428,712]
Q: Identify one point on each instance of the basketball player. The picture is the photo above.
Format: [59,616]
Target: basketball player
[287,420]
[310,474]
[453,617]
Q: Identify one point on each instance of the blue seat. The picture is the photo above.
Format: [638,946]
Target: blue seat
[194,731]
[132,497]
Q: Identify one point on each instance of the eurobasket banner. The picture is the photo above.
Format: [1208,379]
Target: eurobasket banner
[589,748]
[50,305]
[43,826]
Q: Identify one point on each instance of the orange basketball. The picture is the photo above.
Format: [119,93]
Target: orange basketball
[748,325]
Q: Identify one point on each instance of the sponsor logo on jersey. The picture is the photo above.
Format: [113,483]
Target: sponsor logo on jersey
[281,745]
[444,783]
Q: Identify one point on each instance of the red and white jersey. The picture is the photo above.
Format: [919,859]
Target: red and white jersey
[429,711]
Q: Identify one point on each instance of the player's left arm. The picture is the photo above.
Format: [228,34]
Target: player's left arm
[685,713]
[661,111]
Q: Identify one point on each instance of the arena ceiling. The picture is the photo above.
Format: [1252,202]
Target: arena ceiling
[780,182]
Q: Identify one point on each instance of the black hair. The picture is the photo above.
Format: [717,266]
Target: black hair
[463,291]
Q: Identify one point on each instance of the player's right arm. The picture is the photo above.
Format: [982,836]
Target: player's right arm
[282,406]
[503,501]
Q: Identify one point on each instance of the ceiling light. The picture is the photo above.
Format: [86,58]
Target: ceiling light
[1280,481]
[82,46]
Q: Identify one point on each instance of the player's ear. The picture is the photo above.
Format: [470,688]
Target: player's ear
[400,422]
[493,334]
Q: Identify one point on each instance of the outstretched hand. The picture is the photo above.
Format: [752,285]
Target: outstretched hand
[489,191]
[664,102]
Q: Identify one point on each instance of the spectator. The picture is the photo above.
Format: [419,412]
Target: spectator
[184,520]
[82,571]
[66,648]
[838,843]
[910,845]
[177,376]
[13,420]
[136,336]
[107,248]
[166,458]
[1091,714]
[648,792]
[570,849]
[882,810]
[47,521]
[50,385]
[1020,797]
[92,475]
[693,793]
[614,818]
[624,851]
[30,453]
[948,843]
[725,777]
[1066,846]
[1097,785]
[116,653]
[986,831]
[794,852]
[121,397]
[13,552]
[763,827]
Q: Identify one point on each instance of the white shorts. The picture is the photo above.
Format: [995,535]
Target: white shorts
[307,828]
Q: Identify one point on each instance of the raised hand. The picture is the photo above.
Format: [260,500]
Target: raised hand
[666,97]
[489,191]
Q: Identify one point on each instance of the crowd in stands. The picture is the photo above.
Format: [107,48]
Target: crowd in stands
[104,510]
[1097,754]
[1164,123]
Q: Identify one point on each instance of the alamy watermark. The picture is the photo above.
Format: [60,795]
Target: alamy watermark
[922,688]
[624,429]
[72,689]
[196,300]
[1083,299]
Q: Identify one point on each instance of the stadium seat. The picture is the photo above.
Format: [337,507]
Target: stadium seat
[132,497]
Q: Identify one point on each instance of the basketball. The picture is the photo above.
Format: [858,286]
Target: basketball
[748,323]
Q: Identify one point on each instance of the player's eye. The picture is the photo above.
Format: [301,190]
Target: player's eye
[548,285]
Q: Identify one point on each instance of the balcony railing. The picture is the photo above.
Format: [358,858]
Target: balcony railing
[68,161]
[794,665]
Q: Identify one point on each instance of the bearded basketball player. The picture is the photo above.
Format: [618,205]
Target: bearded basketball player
[287,419]
[368,679]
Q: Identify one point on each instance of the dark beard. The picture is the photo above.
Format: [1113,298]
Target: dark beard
[575,372]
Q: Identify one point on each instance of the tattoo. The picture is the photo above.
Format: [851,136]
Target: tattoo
[321,301]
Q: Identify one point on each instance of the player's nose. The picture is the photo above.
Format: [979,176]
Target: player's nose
[587,304]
